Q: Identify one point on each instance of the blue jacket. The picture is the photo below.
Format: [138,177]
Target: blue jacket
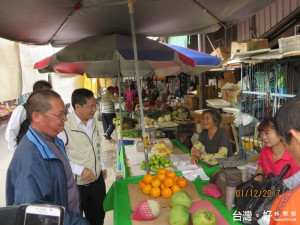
[35,175]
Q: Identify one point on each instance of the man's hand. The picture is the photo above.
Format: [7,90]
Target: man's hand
[104,173]
[88,175]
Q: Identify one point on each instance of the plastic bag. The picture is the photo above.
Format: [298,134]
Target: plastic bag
[162,147]
[244,119]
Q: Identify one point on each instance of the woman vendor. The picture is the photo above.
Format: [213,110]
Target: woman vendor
[214,139]
[273,156]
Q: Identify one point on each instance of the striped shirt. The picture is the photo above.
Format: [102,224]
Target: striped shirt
[108,103]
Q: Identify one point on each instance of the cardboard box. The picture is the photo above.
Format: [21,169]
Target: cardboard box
[229,76]
[222,52]
[221,83]
[289,44]
[248,45]
[227,120]
[211,92]
[232,97]
[248,153]
[231,93]
[191,101]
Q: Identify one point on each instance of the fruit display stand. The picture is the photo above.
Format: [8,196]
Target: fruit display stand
[134,159]
[122,158]
[5,115]
[118,196]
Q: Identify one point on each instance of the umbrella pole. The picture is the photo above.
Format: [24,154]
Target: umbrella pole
[144,135]
[120,110]
[120,107]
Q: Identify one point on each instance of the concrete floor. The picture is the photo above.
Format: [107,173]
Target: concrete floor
[109,149]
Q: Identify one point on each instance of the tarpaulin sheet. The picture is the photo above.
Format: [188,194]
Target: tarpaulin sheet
[10,70]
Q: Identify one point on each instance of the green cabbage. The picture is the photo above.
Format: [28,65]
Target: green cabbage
[204,216]
[179,215]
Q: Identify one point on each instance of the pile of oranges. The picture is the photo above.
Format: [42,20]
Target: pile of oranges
[164,184]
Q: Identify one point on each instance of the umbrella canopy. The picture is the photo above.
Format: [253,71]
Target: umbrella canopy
[112,55]
[103,56]
[62,22]
[202,60]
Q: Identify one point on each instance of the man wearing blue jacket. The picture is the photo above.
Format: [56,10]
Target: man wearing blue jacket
[40,171]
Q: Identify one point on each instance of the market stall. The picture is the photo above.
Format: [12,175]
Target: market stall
[119,196]
[6,109]
[170,120]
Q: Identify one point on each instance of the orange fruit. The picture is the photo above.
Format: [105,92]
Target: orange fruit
[168,181]
[161,176]
[142,184]
[182,182]
[161,170]
[170,173]
[147,189]
[162,186]
[175,188]
[155,182]
[148,178]
[175,178]
[166,192]
[155,192]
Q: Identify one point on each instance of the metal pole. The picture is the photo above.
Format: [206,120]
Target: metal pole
[199,42]
[137,71]
[120,104]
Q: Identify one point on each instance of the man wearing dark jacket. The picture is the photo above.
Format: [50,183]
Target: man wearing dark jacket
[40,171]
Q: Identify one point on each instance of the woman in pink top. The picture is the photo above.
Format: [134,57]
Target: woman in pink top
[273,156]
[131,95]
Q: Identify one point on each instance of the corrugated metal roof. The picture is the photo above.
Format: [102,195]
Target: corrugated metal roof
[266,19]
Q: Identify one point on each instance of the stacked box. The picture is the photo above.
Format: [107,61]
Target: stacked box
[248,45]
[289,44]
[211,92]
[191,101]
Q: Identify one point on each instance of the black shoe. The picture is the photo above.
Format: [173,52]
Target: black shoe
[107,138]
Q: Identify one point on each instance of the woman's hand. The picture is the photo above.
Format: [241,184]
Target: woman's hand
[259,170]
[259,178]
[194,160]
[196,152]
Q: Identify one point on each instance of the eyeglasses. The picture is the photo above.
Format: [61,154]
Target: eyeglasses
[60,116]
[91,106]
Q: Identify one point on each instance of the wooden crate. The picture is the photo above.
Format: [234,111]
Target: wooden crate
[191,101]
[222,52]
[211,92]
[248,45]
